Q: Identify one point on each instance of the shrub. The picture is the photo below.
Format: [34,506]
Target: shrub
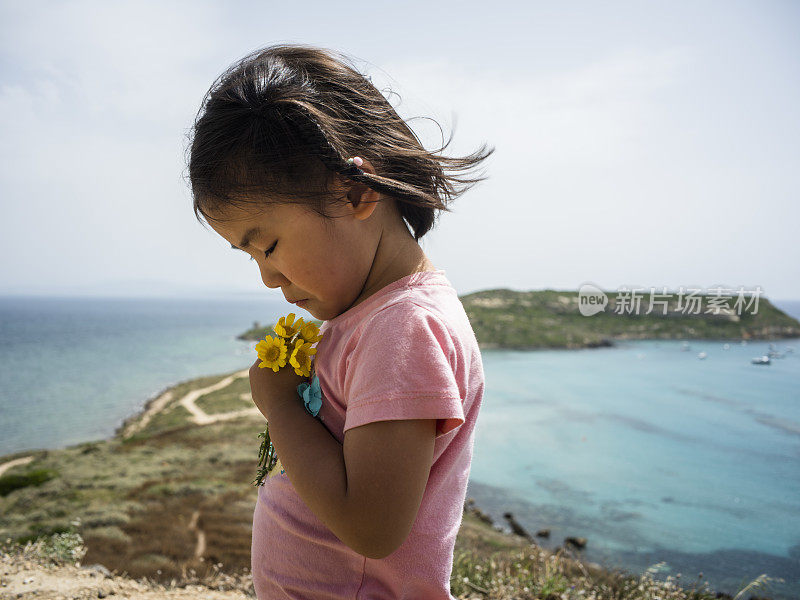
[9,483]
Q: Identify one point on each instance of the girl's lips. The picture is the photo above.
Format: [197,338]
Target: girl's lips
[301,303]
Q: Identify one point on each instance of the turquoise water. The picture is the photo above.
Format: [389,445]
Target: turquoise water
[71,370]
[651,454]
[645,450]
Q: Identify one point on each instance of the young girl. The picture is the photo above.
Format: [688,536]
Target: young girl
[299,161]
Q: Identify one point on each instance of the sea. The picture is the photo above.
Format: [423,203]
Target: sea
[659,459]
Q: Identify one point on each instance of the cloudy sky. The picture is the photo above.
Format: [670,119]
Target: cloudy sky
[637,143]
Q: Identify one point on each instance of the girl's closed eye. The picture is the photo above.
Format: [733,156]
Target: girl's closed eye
[268,252]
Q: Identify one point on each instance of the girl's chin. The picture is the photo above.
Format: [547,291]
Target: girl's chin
[309,309]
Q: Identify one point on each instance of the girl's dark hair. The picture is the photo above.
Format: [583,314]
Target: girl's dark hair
[276,125]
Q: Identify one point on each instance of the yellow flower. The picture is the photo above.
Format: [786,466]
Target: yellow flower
[272,351]
[301,357]
[287,326]
[310,333]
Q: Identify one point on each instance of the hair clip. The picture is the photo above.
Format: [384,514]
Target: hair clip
[355,160]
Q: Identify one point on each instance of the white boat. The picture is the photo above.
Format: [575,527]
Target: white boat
[761,360]
[726,347]
[702,355]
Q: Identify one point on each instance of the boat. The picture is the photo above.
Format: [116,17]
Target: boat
[726,347]
[761,360]
[702,355]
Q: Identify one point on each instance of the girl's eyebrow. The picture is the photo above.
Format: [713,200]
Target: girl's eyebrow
[246,239]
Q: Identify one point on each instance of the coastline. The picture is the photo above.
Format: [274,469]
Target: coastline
[138,421]
[153,404]
[147,428]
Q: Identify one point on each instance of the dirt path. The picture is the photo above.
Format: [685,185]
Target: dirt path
[200,417]
[197,415]
[200,549]
[157,406]
[16,462]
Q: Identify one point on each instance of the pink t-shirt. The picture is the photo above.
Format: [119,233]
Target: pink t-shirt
[406,352]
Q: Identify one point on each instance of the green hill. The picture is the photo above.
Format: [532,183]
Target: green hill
[504,318]
[551,319]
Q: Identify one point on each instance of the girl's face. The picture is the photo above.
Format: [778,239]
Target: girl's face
[324,262]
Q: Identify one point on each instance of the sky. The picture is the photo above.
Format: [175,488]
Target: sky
[649,144]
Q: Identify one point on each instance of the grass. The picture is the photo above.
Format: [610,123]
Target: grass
[57,548]
[131,501]
[229,399]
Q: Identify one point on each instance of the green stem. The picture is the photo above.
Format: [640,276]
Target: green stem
[267,459]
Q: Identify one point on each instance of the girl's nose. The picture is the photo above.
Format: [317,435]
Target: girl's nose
[271,277]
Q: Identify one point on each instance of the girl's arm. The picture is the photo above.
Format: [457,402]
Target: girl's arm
[367,491]
[388,464]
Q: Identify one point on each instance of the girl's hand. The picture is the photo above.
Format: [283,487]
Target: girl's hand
[271,389]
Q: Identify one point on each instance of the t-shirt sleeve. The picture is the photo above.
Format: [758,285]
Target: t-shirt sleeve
[403,367]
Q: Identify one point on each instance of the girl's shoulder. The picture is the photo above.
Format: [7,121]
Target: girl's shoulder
[425,304]
[421,319]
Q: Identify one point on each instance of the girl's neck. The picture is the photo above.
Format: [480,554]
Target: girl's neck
[397,255]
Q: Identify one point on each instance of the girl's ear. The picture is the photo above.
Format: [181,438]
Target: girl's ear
[361,198]
[362,201]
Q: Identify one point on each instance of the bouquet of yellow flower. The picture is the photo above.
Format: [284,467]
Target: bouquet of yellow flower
[291,344]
